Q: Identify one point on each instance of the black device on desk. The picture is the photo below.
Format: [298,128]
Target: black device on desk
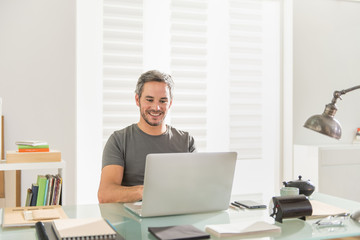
[250,204]
[283,207]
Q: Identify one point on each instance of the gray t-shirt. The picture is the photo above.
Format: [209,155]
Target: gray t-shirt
[128,147]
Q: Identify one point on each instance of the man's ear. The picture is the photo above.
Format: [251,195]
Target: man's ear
[137,99]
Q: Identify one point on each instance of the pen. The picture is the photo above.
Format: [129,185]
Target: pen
[237,205]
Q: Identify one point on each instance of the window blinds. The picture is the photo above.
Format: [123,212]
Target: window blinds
[124,55]
[246,76]
[188,54]
[122,62]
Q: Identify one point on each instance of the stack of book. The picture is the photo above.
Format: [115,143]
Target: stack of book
[32,146]
[46,191]
[32,151]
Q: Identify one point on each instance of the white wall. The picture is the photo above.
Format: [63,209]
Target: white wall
[89,99]
[326,58]
[37,78]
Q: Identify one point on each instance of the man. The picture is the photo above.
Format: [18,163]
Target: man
[125,152]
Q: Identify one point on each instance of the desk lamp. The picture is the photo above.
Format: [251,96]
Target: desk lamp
[326,123]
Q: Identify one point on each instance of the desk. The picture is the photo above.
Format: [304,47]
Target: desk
[134,228]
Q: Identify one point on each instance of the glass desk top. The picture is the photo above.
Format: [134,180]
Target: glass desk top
[136,228]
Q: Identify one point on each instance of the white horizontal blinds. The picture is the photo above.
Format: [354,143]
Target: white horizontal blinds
[122,62]
[188,54]
[246,76]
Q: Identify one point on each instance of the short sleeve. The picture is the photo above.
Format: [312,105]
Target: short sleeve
[112,154]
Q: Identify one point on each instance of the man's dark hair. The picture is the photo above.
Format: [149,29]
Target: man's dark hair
[151,76]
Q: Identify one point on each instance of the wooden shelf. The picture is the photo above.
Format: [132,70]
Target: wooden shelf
[4,166]
[18,167]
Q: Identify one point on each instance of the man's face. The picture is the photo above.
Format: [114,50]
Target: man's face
[154,103]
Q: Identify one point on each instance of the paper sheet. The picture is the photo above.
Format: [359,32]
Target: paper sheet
[321,209]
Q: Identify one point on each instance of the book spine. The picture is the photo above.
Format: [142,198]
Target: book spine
[34,189]
[41,182]
[46,191]
[28,197]
[55,191]
[34,149]
[50,190]
[58,197]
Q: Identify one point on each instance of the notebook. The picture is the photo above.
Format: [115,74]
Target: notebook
[183,183]
[83,228]
[243,229]
[178,232]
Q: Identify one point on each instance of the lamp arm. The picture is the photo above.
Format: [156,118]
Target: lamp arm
[337,94]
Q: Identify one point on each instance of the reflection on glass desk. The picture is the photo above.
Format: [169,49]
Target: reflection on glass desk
[135,228]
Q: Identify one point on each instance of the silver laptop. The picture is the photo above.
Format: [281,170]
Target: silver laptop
[183,183]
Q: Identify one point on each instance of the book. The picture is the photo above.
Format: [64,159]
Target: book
[242,229]
[34,189]
[41,182]
[34,150]
[50,189]
[83,228]
[178,232]
[27,157]
[28,197]
[31,142]
[46,190]
[37,148]
[59,192]
[32,147]
[56,190]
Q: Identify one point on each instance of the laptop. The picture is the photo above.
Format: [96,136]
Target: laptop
[185,183]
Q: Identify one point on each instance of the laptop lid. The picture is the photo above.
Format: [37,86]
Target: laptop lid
[182,183]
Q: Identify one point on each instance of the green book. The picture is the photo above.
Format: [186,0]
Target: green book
[32,147]
[41,182]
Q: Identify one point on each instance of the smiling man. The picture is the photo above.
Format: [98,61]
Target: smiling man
[124,155]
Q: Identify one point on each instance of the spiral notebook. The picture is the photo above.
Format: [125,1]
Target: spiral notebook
[83,228]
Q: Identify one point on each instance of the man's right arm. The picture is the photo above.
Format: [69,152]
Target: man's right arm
[110,189]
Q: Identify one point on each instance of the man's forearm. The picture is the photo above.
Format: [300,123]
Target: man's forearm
[117,193]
